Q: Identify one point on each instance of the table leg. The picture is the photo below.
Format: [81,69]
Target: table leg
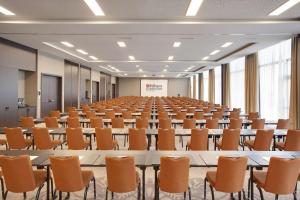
[155,182]
[90,136]
[274,143]
[149,141]
[215,142]
[156,138]
[48,182]
[251,183]
[144,182]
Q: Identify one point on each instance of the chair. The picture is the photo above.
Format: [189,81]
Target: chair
[137,139]
[292,142]
[27,122]
[75,139]
[127,115]
[122,176]
[42,139]
[198,115]
[199,140]
[212,123]
[229,177]
[51,122]
[191,109]
[73,122]
[281,177]
[165,123]
[174,175]
[90,114]
[96,122]
[70,109]
[110,115]
[283,124]
[253,115]
[258,124]
[262,142]
[117,122]
[163,115]
[142,123]
[55,113]
[3,142]
[73,179]
[146,115]
[235,124]
[105,140]
[15,139]
[234,115]
[20,177]
[73,114]
[166,139]
[189,123]
[181,115]
[217,115]
[230,140]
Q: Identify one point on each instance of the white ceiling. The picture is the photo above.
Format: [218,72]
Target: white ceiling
[149,28]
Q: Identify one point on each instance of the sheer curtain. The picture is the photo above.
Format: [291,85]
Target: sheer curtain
[218,85]
[237,83]
[205,83]
[275,76]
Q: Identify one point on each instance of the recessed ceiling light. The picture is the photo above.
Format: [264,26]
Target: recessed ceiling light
[165,70]
[131,57]
[214,52]
[125,74]
[186,70]
[94,6]
[162,75]
[67,44]
[227,44]
[140,70]
[170,57]
[178,75]
[121,44]
[145,75]
[167,66]
[93,57]
[137,66]
[4,11]
[194,7]
[205,58]
[284,7]
[176,44]
[81,51]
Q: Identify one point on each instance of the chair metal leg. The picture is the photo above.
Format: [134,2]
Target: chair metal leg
[112,195]
[60,195]
[95,193]
[249,184]
[295,192]
[190,193]
[139,192]
[2,187]
[244,195]
[276,196]
[184,195]
[212,192]
[5,194]
[205,181]
[260,192]
[106,193]
[37,196]
[231,196]
[240,195]
[24,195]
[85,192]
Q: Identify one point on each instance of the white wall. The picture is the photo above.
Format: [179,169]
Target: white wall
[50,65]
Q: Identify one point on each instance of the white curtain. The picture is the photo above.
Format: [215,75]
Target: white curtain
[192,86]
[275,74]
[197,86]
[218,85]
[237,83]
[205,83]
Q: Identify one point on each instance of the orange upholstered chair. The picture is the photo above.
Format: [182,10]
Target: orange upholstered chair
[212,123]
[198,115]
[27,122]
[146,115]
[105,140]
[90,114]
[165,123]
[230,140]
[96,122]
[292,142]
[258,124]
[73,122]
[55,113]
[137,139]
[166,139]
[70,109]
[15,139]
[262,142]
[163,115]
[122,176]
[283,124]
[253,115]
[199,140]
[142,123]
[235,123]
[127,115]
[229,177]
[110,115]
[117,122]
[73,114]
[69,177]
[42,139]
[234,115]
[189,123]
[218,115]
[75,139]
[181,115]
[51,122]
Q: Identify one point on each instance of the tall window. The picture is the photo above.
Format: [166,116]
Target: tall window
[237,83]
[218,85]
[197,86]
[205,86]
[275,74]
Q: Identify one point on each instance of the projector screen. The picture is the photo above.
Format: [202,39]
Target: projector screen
[154,87]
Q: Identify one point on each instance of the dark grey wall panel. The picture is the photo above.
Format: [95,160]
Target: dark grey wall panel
[71,84]
[85,85]
[102,86]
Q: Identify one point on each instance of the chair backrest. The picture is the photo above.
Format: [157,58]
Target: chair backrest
[73,122]
[283,124]
[51,122]
[181,115]
[189,123]
[18,173]
[230,139]
[235,123]
[166,139]
[27,122]
[86,109]
[104,139]
[258,124]
[292,142]
[110,115]
[117,122]
[234,115]
[174,174]
[73,114]
[218,115]
[199,139]
[55,113]
[15,138]
[253,115]
[212,123]
[90,114]
[231,173]
[145,115]
[137,139]
[165,123]
[142,123]
[66,173]
[121,174]
[96,122]
[282,175]
[163,115]
[263,140]
[191,110]
[127,114]
[198,115]
[70,109]
[75,139]
[42,138]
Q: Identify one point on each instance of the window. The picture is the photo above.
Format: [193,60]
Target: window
[237,83]
[197,86]
[218,85]
[205,86]
[275,74]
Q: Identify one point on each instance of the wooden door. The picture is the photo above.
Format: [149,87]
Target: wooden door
[51,94]
[95,91]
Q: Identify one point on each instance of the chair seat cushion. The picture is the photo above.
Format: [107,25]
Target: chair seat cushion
[211,177]
[87,176]
[40,177]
